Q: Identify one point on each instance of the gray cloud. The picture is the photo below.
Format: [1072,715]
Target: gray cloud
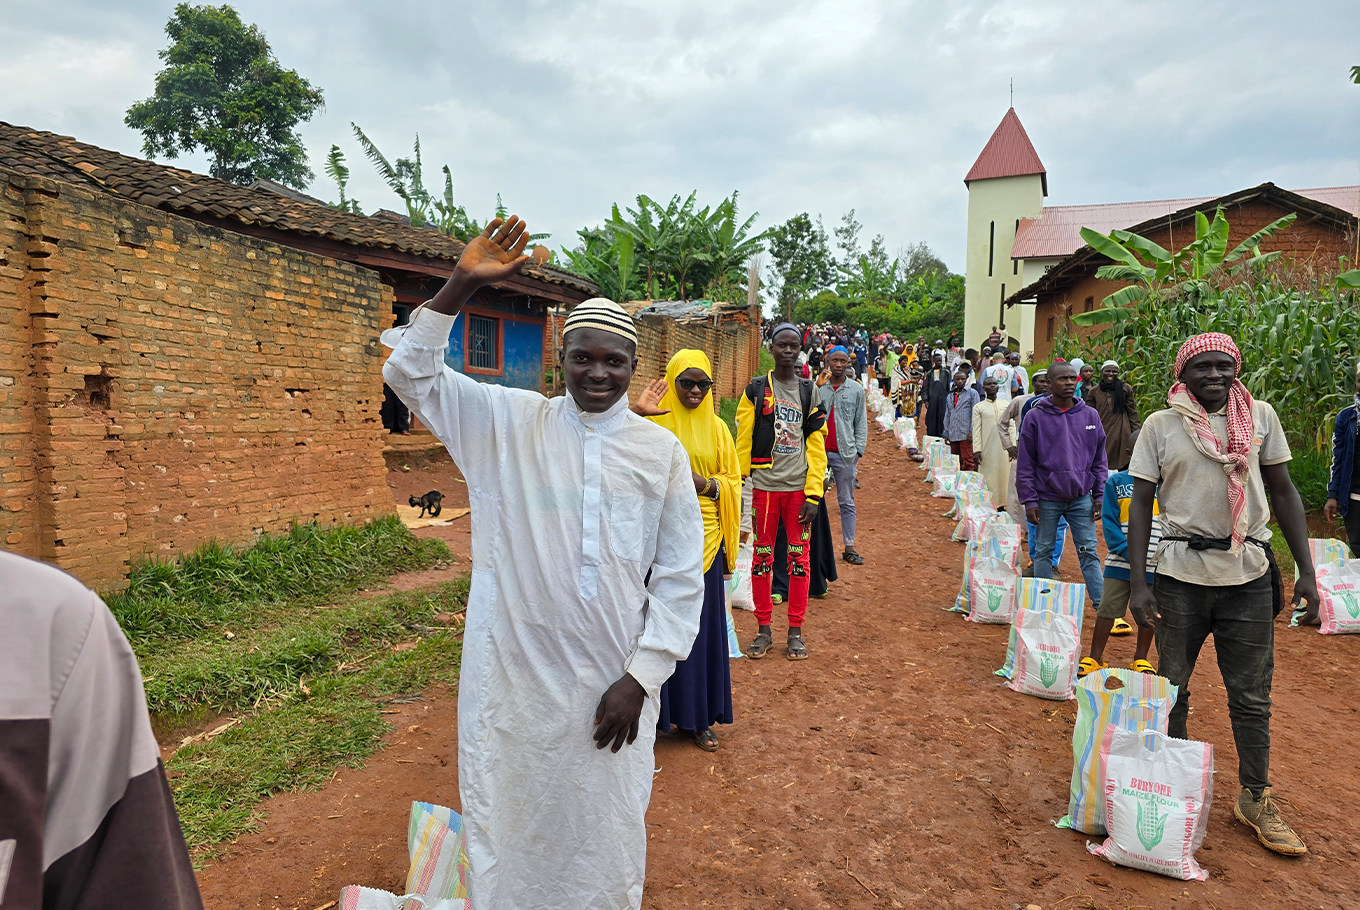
[566,107]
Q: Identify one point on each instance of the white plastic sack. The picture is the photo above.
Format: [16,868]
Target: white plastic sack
[1128,699]
[733,646]
[1040,594]
[991,589]
[1157,796]
[353,897]
[1325,550]
[885,422]
[1047,651]
[972,518]
[904,430]
[739,585]
[1339,597]
[944,483]
[1006,533]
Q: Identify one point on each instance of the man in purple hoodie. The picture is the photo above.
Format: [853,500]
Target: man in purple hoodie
[1060,473]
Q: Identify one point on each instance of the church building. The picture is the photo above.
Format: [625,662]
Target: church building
[1028,270]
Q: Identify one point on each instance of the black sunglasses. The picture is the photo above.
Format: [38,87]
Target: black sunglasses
[703,385]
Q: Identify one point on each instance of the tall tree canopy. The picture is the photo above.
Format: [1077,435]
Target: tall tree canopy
[223,91]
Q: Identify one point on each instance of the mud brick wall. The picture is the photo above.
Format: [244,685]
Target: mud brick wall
[732,346]
[164,383]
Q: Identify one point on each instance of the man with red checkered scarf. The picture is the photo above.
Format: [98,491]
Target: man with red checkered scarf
[1210,458]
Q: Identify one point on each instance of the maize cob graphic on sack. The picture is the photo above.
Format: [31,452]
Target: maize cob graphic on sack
[1048,671]
[994,600]
[1352,604]
[1151,824]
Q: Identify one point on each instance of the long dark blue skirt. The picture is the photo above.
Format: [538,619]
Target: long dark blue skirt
[699,694]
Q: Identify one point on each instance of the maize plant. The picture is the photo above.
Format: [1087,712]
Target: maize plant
[1299,344]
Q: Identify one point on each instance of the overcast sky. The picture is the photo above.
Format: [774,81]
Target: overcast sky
[566,107]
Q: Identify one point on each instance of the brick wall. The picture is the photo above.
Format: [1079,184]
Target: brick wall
[163,383]
[1309,247]
[732,346]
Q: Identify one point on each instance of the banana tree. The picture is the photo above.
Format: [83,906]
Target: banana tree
[1153,272]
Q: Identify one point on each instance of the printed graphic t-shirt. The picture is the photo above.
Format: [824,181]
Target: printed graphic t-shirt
[788,470]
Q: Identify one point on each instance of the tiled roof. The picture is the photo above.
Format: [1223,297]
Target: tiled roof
[1057,232]
[29,151]
[1009,153]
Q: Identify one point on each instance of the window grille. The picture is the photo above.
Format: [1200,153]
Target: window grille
[482,343]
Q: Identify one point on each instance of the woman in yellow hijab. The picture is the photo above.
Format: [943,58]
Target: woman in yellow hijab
[699,694]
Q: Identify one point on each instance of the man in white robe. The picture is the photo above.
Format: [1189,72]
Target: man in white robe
[575,500]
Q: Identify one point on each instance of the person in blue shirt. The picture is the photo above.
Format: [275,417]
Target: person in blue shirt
[861,351]
[1343,492]
[1114,597]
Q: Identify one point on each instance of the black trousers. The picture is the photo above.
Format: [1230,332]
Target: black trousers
[1241,618]
[1353,527]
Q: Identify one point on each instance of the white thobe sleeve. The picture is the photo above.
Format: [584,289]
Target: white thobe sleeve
[675,593]
[456,409]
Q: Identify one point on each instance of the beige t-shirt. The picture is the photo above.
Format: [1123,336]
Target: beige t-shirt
[1194,495]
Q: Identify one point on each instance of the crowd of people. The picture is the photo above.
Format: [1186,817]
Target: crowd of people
[604,534]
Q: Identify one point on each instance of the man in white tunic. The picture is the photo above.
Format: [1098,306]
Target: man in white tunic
[587,586]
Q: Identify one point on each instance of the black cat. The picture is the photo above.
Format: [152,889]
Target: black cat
[430,502]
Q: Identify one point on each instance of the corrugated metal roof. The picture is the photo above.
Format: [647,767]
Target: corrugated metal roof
[1008,153]
[1057,232]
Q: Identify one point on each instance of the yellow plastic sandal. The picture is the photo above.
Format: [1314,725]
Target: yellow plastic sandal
[1089,665]
[1121,627]
[1142,666]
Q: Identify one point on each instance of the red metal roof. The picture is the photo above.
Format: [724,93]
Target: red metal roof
[1008,153]
[1057,232]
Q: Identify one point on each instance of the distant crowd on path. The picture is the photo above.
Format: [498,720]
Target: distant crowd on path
[596,617]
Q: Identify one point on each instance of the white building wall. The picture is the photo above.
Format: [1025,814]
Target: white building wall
[994,207]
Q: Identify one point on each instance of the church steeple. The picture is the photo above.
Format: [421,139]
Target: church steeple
[1009,153]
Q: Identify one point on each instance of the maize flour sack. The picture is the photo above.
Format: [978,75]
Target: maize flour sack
[1157,796]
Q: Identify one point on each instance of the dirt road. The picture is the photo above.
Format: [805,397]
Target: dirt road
[892,769]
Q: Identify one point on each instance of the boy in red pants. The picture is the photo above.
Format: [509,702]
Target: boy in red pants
[780,429]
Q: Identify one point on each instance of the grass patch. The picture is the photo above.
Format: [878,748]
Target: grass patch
[222,674]
[311,689]
[766,361]
[273,636]
[727,413]
[218,586]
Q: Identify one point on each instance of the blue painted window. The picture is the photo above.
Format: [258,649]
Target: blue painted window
[483,351]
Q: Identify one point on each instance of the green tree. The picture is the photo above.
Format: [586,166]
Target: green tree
[223,91]
[800,262]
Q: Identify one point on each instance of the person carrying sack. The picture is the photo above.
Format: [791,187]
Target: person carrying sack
[1215,452]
